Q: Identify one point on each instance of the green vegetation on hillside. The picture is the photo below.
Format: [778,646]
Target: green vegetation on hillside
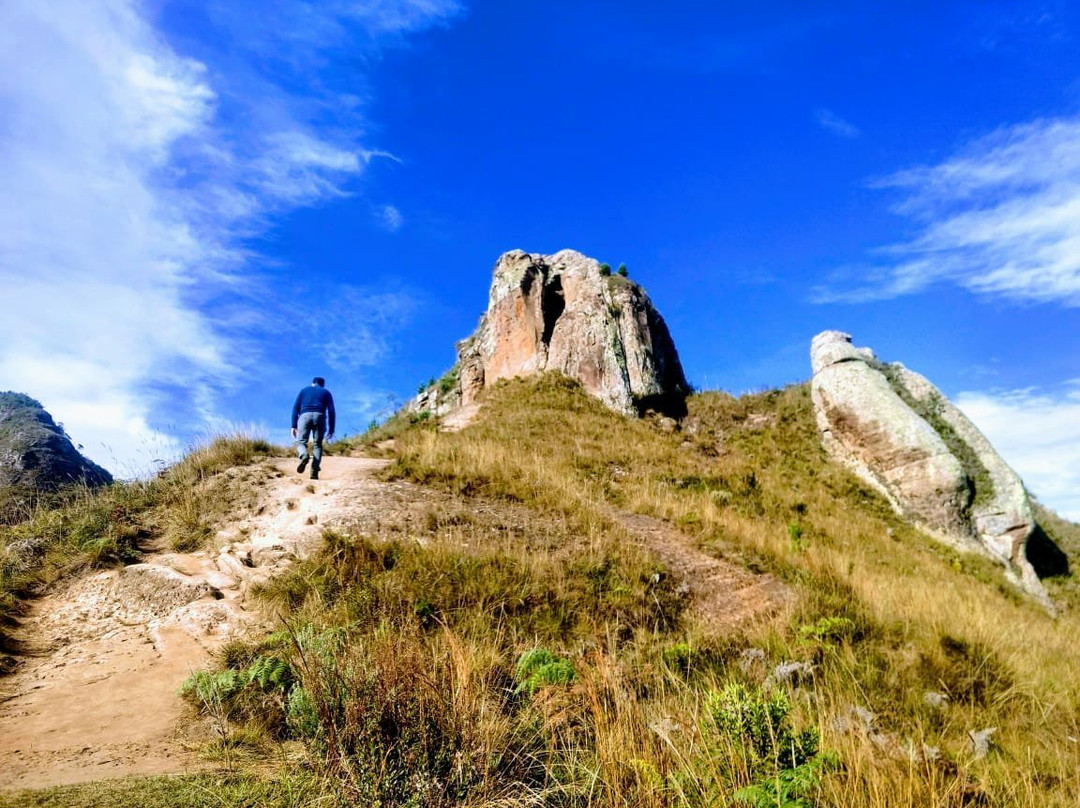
[930,410]
[515,643]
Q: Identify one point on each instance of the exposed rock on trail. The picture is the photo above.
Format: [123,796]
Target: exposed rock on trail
[36,453]
[900,434]
[561,313]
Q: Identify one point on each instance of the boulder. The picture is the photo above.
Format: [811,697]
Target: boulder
[35,452]
[900,434]
[562,313]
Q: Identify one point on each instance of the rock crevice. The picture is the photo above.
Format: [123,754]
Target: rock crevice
[562,313]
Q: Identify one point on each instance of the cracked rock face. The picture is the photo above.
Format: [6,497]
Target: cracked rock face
[559,313]
[35,452]
[897,431]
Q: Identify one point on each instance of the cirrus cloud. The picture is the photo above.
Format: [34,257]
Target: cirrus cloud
[133,174]
[1000,218]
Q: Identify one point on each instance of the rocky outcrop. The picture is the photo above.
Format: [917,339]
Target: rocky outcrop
[35,452]
[897,431]
[562,313]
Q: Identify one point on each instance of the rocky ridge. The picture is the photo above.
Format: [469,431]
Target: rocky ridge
[36,453]
[562,313]
[901,435]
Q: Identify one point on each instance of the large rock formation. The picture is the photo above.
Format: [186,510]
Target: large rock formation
[897,431]
[562,313]
[35,453]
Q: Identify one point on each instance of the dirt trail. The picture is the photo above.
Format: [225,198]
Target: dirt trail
[96,696]
[723,594]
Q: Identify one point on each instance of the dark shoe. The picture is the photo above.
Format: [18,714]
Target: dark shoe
[302,466]
[314,474]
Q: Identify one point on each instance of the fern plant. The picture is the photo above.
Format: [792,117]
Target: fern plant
[540,667]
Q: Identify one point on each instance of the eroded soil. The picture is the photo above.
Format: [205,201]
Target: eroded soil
[96,696]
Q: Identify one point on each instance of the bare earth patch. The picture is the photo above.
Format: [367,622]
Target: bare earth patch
[96,696]
[723,595]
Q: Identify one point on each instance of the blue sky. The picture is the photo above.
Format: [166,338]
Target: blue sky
[206,203]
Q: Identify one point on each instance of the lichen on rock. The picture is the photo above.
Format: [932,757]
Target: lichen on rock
[898,432]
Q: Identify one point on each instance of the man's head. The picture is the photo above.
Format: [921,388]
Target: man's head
[319,381]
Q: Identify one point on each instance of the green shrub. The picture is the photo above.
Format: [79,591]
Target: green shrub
[830,630]
[605,270]
[679,657]
[789,788]
[622,270]
[448,381]
[756,722]
[539,668]
[301,715]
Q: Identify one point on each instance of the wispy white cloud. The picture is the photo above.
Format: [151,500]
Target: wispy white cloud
[352,330]
[391,218]
[1038,434]
[831,122]
[132,174]
[1001,218]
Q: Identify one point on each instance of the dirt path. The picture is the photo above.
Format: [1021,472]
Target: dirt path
[723,595]
[96,696]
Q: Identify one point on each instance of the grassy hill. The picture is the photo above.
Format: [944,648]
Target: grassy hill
[511,643]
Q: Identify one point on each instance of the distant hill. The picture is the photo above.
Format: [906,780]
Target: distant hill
[36,453]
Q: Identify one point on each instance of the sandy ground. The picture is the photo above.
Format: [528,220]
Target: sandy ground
[97,697]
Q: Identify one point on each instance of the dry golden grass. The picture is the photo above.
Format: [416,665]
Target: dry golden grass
[747,478]
[399,669]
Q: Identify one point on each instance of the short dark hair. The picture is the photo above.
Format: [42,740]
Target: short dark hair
[319,380]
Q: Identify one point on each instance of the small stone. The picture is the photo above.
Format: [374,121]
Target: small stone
[231,566]
[752,659]
[790,673]
[855,718]
[665,727]
[980,741]
[936,700]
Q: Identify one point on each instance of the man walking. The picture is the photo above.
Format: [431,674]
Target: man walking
[312,417]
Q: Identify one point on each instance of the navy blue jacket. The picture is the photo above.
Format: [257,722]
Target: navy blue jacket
[314,399]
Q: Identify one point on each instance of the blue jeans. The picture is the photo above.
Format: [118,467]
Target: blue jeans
[310,426]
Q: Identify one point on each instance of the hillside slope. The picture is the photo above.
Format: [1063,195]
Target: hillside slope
[105,652]
[570,607]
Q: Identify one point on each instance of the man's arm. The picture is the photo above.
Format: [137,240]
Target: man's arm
[296,411]
[331,416]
